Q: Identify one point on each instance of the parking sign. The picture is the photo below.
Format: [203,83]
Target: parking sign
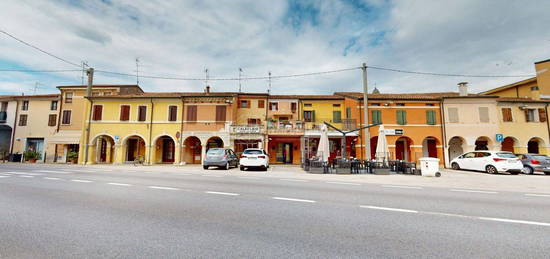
[500,137]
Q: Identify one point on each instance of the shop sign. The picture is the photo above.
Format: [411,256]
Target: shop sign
[393,131]
[246,129]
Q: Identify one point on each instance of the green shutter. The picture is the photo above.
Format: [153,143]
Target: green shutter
[348,113]
[337,116]
[313,116]
[430,117]
[401,117]
[376,117]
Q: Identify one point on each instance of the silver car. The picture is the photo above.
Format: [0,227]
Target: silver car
[535,163]
[220,157]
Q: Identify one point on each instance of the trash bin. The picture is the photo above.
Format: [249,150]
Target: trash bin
[429,166]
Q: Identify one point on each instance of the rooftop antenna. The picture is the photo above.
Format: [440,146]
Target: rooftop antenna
[137,71]
[84,65]
[240,75]
[35,88]
[206,76]
[269,82]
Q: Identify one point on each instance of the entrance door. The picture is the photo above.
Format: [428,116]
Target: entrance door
[432,148]
[400,150]
[103,151]
[132,147]
[167,150]
[287,153]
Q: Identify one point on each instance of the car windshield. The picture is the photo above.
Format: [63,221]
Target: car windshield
[215,151]
[506,155]
[540,157]
[253,152]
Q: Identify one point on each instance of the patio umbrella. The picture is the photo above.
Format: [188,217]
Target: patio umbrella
[382,151]
[323,148]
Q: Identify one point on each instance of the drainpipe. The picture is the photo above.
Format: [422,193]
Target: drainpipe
[361,135]
[181,128]
[266,136]
[14,125]
[88,129]
[151,131]
[443,131]
[547,122]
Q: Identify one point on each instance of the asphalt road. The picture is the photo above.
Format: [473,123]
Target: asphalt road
[94,212]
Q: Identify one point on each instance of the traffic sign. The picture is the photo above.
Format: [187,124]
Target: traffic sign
[500,137]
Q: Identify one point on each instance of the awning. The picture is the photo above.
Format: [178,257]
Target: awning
[66,137]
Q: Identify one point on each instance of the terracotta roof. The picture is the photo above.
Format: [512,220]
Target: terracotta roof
[167,95]
[35,96]
[542,61]
[526,100]
[96,86]
[307,97]
[406,96]
[494,90]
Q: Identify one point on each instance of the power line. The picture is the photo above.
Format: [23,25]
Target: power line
[441,74]
[39,49]
[40,71]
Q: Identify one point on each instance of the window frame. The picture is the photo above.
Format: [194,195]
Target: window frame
[139,113]
[69,99]
[50,120]
[189,116]
[52,105]
[170,107]
[219,109]
[94,112]
[20,123]
[70,112]
[25,105]
[120,112]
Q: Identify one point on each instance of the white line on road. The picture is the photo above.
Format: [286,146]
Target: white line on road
[212,175]
[120,184]
[472,191]
[402,186]
[81,181]
[223,193]
[248,177]
[4,176]
[516,221]
[21,173]
[52,178]
[163,188]
[294,180]
[26,176]
[343,183]
[49,171]
[537,195]
[386,208]
[292,199]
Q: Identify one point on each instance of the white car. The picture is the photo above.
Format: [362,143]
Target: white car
[254,158]
[488,161]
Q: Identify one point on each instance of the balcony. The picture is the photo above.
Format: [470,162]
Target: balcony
[285,128]
[3,116]
[349,124]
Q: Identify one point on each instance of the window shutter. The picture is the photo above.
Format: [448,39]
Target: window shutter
[98,110]
[313,116]
[142,113]
[526,111]
[506,114]
[430,117]
[453,115]
[348,113]
[261,104]
[192,113]
[173,113]
[401,117]
[52,119]
[125,113]
[337,116]
[542,115]
[220,113]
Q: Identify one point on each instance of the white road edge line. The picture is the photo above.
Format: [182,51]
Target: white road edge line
[212,175]
[223,193]
[402,186]
[294,180]
[537,195]
[343,183]
[26,176]
[81,181]
[390,209]
[516,221]
[248,177]
[292,199]
[162,188]
[4,176]
[120,184]
[52,178]
[472,191]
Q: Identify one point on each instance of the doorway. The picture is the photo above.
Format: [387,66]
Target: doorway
[167,150]
[284,153]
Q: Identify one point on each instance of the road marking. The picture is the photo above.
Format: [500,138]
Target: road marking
[26,176]
[80,181]
[49,171]
[223,193]
[294,180]
[120,184]
[537,195]
[4,176]
[390,209]
[343,183]
[163,188]
[472,191]
[402,186]
[292,199]
[52,178]
[21,173]
[212,175]
[248,177]
[516,221]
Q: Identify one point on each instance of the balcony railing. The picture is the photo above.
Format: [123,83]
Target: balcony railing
[349,124]
[285,127]
[3,116]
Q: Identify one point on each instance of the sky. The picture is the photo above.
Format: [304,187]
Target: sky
[184,38]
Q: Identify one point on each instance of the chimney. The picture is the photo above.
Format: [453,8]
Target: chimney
[463,89]
[535,93]
[207,90]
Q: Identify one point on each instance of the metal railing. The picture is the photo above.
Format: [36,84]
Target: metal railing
[355,166]
[285,127]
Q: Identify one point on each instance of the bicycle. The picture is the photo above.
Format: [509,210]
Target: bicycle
[139,160]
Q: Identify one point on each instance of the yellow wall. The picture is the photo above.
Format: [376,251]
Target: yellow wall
[543,76]
[323,111]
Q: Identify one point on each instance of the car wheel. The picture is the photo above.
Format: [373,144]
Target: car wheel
[455,166]
[527,170]
[205,167]
[547,173]
[491,169]
[226,167]
[242,168]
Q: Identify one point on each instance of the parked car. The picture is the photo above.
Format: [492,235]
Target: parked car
[488,161]
[535,163]
[254,158]
[220,157]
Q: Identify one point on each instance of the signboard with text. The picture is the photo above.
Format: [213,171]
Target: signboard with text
[246,129]
[393,131]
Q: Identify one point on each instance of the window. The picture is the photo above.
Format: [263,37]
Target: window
[483,114]
[52,120]
[254,121]
[142,113]
[374,104]
[53,106]
[261,104]
[220,113]
[273,106]
[97,112]
[534,88]
[542,115]
[244,104]
[173,113]
[336,116]
[25,106]
[530,115]
[400,104]
[507,115]
[453,115]
[401,117]
[309,116]
[308,105]
[348,112]
[107,93]
[430,118]
[335,105]
[192,113]
[66,119]
[293,107]
[429,104]
[23,120]
[95,94]
[68,97]
[124,112]
[376,116]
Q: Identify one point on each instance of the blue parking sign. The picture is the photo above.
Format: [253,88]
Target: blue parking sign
[500,137]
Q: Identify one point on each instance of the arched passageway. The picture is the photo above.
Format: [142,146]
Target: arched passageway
[214,142]
[104,149]
[456,147]
[192,150]
[135,149]
[429,147]
[482,143]
[403,149]
[508,144]
[165,149]
[534,146]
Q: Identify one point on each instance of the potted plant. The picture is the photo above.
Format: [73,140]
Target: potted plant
[72,157]
[31,156]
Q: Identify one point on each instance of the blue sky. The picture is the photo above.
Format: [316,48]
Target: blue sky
[183,38]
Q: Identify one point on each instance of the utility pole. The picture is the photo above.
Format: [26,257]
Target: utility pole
[269,80]
[90,73]
[240,75]
[366,111]
[137,71]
